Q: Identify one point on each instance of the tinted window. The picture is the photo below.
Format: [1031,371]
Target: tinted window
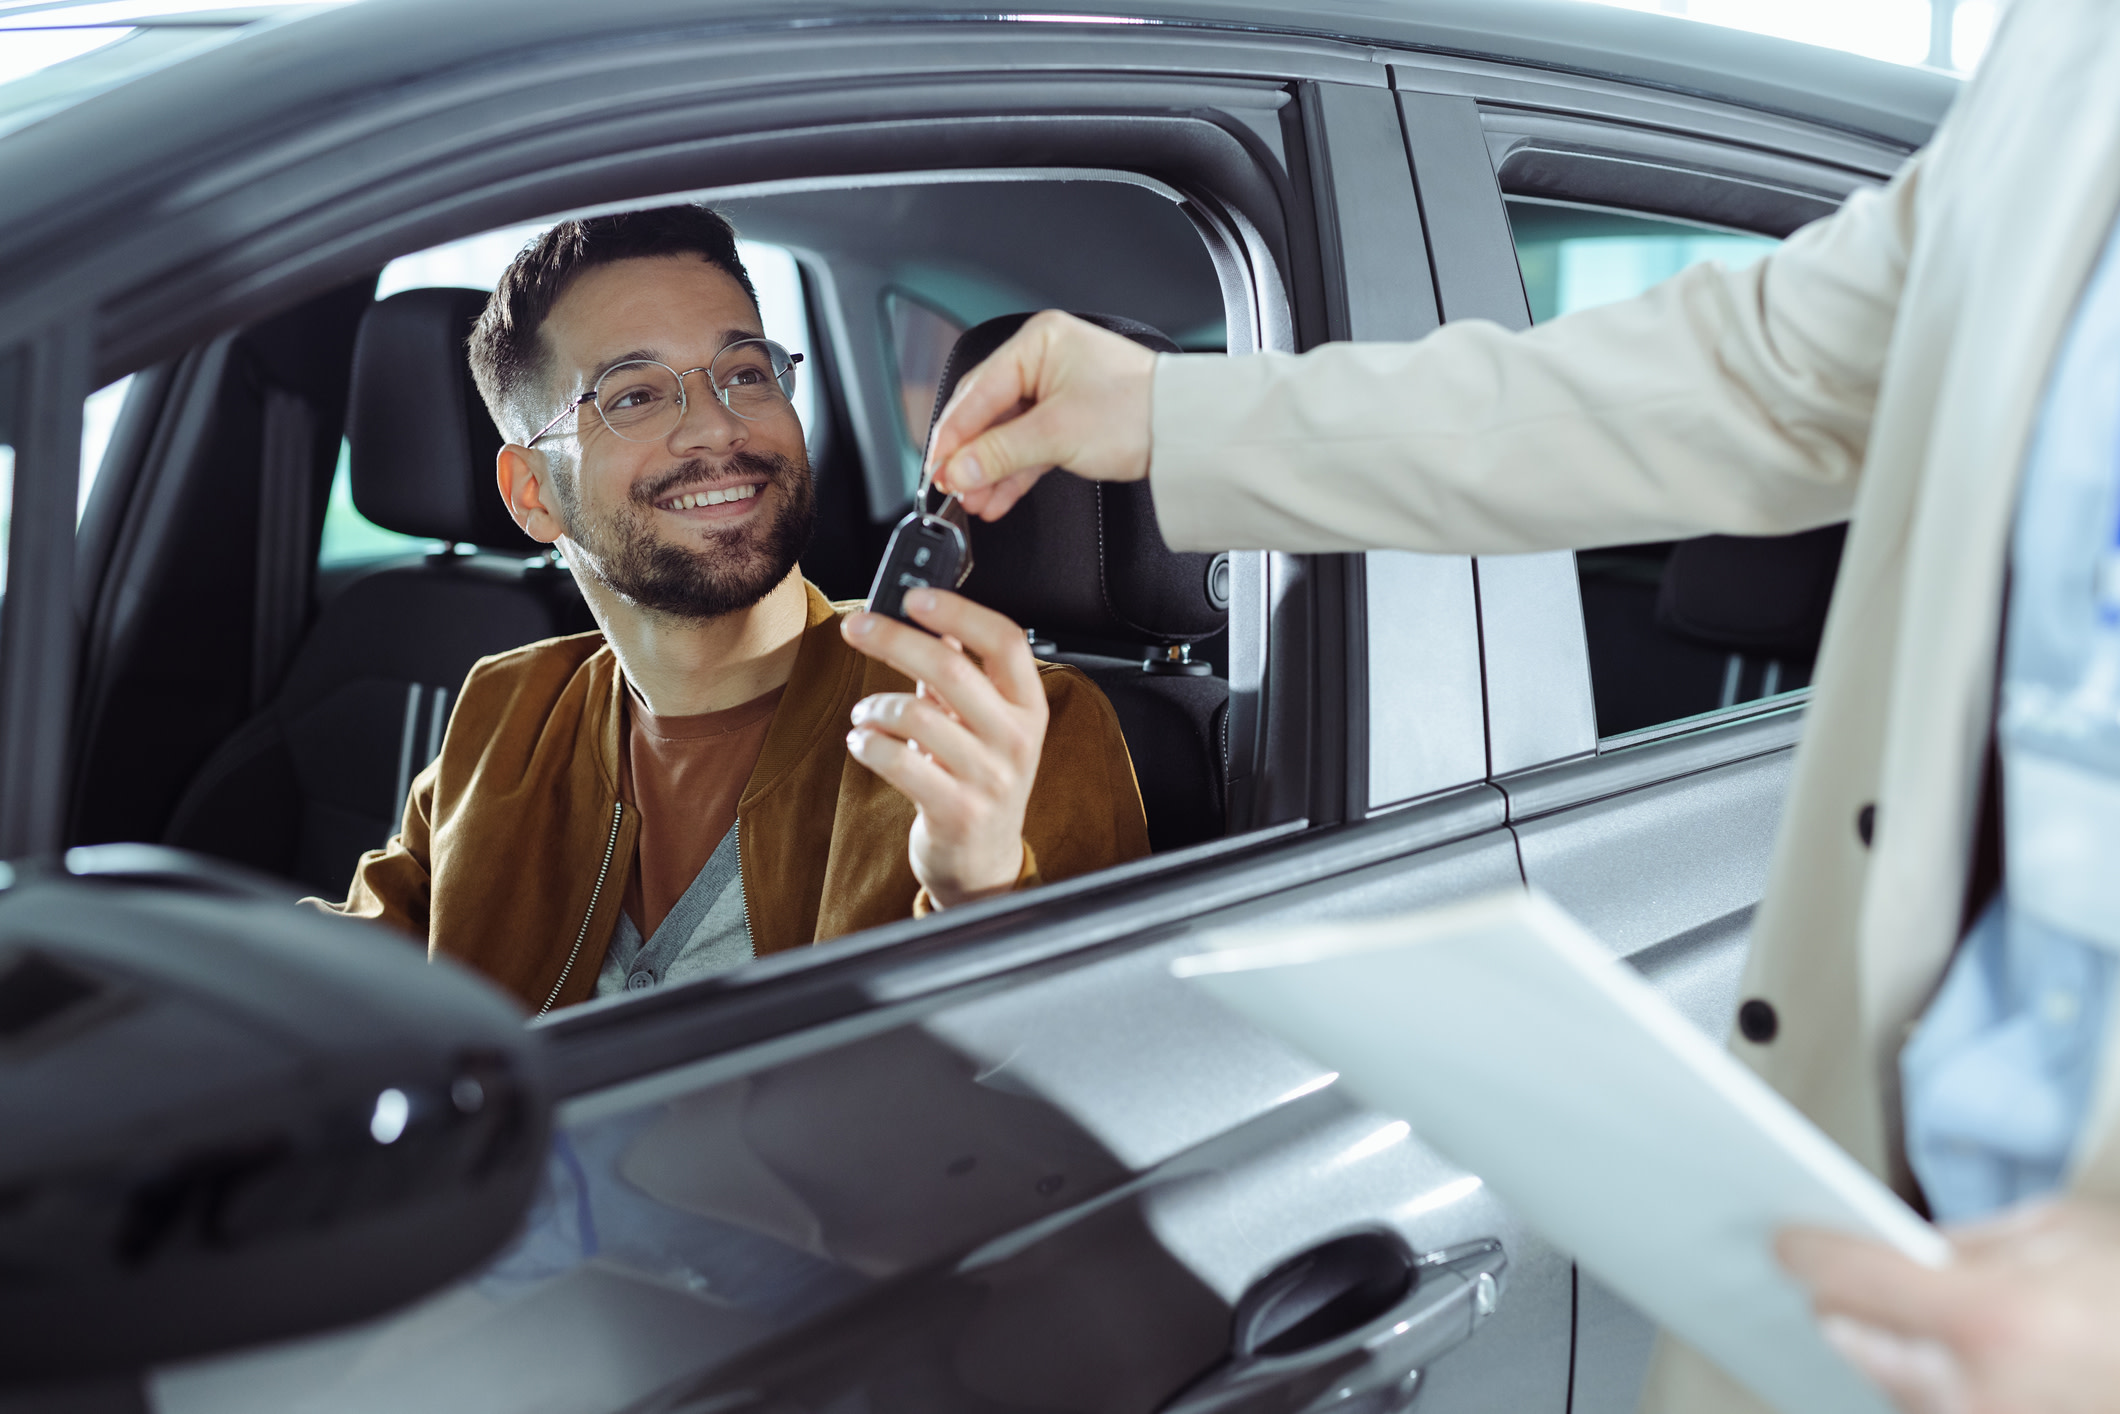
[921,340]
[1674,631]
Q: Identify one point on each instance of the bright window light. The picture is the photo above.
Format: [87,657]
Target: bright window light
[1900,31]
[42,15]
[99,418]
[25,52]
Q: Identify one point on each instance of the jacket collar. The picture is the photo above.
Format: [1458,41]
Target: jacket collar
[825,670]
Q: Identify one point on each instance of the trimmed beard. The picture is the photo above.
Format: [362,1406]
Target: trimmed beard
[729,572]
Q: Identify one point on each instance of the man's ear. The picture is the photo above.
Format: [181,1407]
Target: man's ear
[521,473]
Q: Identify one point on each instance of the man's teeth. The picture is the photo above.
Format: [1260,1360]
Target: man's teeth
[713,498]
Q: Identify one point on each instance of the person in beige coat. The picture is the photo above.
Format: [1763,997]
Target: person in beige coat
[1890,365]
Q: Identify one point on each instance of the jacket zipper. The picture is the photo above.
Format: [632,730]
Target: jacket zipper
[618,813]
[742,892]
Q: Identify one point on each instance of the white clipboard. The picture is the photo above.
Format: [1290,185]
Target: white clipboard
[1522,1050]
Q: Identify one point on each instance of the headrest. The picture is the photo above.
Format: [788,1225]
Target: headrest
[422,443]
[1765,595]
[1083,557]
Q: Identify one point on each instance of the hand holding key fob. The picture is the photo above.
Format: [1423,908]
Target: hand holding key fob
[925,552]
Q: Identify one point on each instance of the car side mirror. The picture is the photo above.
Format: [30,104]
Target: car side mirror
[228,1119]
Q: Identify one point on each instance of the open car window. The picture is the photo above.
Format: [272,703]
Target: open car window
[414,574]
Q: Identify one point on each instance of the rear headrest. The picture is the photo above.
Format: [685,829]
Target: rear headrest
[1081,557]
[1765,596]
[422,443]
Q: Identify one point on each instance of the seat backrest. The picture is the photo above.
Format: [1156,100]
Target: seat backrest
[1762,596]
[1085,564]
[320,774]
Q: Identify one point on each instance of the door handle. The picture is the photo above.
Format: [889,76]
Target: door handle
[1339,1328]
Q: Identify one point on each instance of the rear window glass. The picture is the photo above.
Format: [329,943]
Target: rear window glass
[921,339]
[1650,662]
[1575,258]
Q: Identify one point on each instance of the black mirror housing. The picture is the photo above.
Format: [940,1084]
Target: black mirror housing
[229,1120]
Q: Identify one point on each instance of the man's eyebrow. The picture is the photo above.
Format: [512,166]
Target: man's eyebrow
[635,356]
[728,337]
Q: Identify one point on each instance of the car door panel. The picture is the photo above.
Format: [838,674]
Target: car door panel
[1644,867]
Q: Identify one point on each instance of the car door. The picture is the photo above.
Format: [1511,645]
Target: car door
[1000,1157]
[1657,837]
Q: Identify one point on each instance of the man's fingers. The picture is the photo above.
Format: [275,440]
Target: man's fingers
[990,503]
[930,727]
[1921,1376]
[921,780]
[997,640]
[973,694]
[1872,1283]
[997,389]
[1060,392]
[1029,445]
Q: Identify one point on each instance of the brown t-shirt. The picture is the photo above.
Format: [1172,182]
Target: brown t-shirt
[684,776]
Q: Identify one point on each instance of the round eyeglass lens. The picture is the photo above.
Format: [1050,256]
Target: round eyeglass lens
[753,377]
[643,401]
[640,402]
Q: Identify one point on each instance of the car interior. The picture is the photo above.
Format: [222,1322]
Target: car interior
[292,552]
[261,693]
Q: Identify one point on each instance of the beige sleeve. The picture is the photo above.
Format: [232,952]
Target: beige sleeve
[1736,401]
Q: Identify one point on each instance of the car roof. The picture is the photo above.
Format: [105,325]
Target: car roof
[300,58]
[184,126]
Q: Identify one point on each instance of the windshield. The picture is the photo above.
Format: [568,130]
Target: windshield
[57,52]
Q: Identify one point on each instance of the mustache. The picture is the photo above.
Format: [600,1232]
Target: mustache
[774,467]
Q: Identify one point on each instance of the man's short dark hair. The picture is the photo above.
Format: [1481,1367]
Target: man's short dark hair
[507,355]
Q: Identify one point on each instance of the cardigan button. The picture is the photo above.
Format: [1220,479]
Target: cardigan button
[1866,824]
[640,981]
[1757,1022]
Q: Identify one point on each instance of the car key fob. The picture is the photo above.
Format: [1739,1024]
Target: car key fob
[925,551]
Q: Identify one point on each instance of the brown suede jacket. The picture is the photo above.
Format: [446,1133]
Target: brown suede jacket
[514,849]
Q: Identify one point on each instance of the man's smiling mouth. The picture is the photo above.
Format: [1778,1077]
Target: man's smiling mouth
[716,496]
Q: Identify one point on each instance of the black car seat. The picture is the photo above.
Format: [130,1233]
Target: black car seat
[1680,629]
[320,773]
[1084,565]
[1760,600]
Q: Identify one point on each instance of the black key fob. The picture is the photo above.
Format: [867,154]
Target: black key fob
[926,552]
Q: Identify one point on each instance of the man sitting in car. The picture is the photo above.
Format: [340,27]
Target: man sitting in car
[734,766]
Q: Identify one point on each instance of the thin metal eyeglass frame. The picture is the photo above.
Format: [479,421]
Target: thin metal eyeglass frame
[684,405]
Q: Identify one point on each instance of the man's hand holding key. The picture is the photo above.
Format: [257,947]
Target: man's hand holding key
[1060,392]
[963,746]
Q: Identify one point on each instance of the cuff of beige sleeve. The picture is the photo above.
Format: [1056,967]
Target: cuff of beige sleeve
[1189,409]
[1026,878]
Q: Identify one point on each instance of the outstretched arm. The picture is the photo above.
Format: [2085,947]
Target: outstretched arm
[1737,401]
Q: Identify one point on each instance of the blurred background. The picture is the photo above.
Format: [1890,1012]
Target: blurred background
[1944,34]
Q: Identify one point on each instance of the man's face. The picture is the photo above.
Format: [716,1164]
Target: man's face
[629,507]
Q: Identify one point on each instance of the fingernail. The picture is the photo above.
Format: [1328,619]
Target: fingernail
[967,473]
[920,601]
[857,741]
[861,623]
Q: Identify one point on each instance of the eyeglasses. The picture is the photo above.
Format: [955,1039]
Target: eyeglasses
[644,401]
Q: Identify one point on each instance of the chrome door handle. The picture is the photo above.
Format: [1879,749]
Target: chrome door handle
[1372,1368]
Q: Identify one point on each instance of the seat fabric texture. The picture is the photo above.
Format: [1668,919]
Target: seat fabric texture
[319,774]
[1085,563]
